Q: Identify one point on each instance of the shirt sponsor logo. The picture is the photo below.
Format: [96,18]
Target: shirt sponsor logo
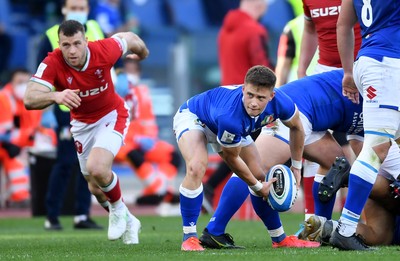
[326,11]
[40,70]
[94,91]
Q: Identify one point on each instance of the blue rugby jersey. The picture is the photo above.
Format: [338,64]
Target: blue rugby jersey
[319,97]
[222,110]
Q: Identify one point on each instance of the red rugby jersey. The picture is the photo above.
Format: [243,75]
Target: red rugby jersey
[324,14]
[93,80]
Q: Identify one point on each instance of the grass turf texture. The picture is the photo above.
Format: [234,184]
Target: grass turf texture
[160,239]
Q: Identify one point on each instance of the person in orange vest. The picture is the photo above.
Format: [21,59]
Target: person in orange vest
[154,161]
[17,129]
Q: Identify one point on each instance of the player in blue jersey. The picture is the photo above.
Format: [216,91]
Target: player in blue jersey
[225,117]
[374,74]
[322,107]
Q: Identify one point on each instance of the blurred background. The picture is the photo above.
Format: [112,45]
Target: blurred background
[181,36]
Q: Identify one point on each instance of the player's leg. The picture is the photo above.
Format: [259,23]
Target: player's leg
[192,143]
[191,189]
[324,151]
[236,191]
[381,122]
[379,226]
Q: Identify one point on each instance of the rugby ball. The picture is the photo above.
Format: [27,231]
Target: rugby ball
[283,192]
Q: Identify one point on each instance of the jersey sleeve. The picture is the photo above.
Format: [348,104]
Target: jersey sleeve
[286,108]
[307,13]
[46,73]
[112,48]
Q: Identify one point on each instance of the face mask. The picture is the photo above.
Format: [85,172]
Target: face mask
[132,78]
[77,16]
[19,90]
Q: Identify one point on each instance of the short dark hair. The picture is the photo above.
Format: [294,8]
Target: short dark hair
[260,76]
[70,28]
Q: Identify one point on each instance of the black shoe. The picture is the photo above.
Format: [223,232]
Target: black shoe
[52,224]
[326,232]
[87,224]
[355,242]
[223,241]
[337,177]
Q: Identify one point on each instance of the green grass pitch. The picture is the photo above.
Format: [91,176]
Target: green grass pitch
[160,239]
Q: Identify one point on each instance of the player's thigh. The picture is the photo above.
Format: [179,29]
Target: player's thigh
[323,151]
[272,150]
[193,147]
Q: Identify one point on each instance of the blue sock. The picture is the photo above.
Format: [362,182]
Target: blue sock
[357,194]
[190,210]
[269,216]
[233,195]
[321,208]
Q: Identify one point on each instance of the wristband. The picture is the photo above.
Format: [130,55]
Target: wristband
[297,164]
[257,187]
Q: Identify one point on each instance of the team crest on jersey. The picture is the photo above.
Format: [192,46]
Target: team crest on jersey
[69,80]
[99,73]
[268,119]
[227,137]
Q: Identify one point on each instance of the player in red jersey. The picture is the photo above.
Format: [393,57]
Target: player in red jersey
[80,73]
[320,18]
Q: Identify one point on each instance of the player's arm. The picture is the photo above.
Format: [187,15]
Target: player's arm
[345,40]
[286,53]
[134,44]
[308,47]
[296,144]
[38,96]
[231,156]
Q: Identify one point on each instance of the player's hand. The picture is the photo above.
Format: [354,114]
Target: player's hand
[297,175]
[69,98]
[349,89]
[264,192]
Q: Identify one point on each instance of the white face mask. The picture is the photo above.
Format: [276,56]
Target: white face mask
[19,90]
[133,78]
[77,16]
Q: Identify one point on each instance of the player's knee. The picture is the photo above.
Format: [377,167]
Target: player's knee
[196,169]
[376,145]
[97,171]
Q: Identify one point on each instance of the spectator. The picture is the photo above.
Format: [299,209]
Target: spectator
[18,127]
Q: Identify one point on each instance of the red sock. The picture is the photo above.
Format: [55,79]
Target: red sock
[113,190]
[308,195]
